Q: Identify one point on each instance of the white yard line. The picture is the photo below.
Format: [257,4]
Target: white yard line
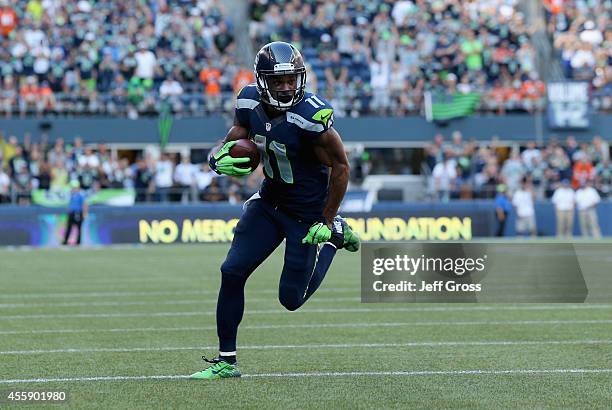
[161,302]
[315,346]
[381,309]
[45,295]
[320,374]
[313,326]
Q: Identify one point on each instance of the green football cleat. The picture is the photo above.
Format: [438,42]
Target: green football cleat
[219,369]
[351,240]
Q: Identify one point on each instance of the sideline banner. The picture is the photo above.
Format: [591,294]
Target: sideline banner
[166,224]
[215,223]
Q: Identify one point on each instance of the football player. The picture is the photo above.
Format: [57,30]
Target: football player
[298,199]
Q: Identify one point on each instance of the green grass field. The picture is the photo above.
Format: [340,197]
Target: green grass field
[121,327]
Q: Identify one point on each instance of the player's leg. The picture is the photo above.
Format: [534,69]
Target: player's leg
[299,265]
[255,237]
[306,265]
[343,237]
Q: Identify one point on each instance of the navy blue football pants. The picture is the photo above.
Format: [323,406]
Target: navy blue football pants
[260,230]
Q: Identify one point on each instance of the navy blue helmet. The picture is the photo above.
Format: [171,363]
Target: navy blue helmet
[280,74]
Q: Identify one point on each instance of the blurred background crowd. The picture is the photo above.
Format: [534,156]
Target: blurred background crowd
[581,32]
[154,176]
[139,57]
[461,169]
[455,169]
[120,58]
[381,57]
[368,57]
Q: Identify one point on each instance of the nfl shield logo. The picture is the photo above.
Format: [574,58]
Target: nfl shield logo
[268,126]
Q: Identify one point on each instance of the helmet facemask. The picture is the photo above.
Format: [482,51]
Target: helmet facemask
[280,91]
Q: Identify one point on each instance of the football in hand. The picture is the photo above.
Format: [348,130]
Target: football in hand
[246,148]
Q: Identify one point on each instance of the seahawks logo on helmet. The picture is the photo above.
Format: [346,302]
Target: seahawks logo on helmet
[280,75]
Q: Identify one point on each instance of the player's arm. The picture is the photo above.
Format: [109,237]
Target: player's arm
[221,162]
[330,151]
[237,132]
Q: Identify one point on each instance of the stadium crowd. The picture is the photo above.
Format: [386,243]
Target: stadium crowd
[381,57]
[456,169]
[367,56]
[465,170]
[116,57]
[154,177]
[581,32]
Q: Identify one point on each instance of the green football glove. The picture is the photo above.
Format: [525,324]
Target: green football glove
[223,163]
[318,233]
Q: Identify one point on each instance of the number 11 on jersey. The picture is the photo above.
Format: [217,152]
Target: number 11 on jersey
[280,153]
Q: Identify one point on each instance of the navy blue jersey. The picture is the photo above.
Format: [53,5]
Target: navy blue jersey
[295,180]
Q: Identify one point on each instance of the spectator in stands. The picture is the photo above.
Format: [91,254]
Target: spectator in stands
[457,146]
[28,96]
[145,64]
[203,178]
[560,163]
[336,75]
[471,48]
[136,91]
[210,76]
[34,162]
[59,175]
[513,171]
[46,98]
[8,19]
[163,178]
[530,153]
[5,186]
[17,161]
[22,182]
[587,199]
[582,171]
[213,192]
[444,175]
[233,195]
[106,73]
[122,175]
[242,78]
[603,177]
[170,91]
[44,176]
[143,180]
[184,177]
[571,146]
[599,151]
[523,201]
[85,156]
[580,31]
[8,96]
[380,77]
[224,40]
[564,201]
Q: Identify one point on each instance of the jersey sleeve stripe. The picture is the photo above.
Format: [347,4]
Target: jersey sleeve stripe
[304,123]
[246,103]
